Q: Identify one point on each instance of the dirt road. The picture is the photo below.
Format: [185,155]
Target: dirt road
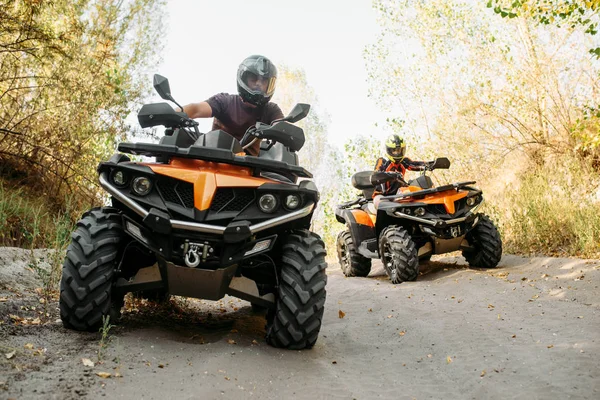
[528,329]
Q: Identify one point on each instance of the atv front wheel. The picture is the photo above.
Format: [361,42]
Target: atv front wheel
[86,294]
[486,242]
[296,320]
[352,263]
[398,254]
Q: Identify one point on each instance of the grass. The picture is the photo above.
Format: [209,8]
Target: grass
[27,221]
[551,212]
[104,337]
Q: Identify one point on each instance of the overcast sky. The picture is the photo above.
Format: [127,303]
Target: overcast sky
[206,41]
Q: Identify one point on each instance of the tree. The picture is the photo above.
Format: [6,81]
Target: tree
[70,73]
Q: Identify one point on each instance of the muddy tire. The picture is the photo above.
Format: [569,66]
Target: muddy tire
[485,238]
[89,270]
[352,263]
[300,299]
[398,254]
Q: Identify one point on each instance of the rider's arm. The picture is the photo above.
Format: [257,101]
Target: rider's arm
[198,110]
[380,164]
[413,165]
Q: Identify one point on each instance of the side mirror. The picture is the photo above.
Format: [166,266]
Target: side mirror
[299,111]
[441,163]
[161,85]
[380,177]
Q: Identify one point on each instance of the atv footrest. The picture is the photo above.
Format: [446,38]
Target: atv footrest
[368,248]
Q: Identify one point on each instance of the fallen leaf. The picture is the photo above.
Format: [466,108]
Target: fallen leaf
[448,359]
[402,333]
[36,321]
[11,354]
[3,299]
[513,336]
[482,373]
[390,316]
[535,296]
[460,300]
[118,375]
[87,362]
[103,374]
[341,314]
[231,341]
[28,346]
[550,346]
[490,306]
[254,342]
[545,276]
[227,378]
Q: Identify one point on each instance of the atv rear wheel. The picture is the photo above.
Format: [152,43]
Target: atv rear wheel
[487,244]
[398,254]
[352,263]
[300,299]
[86,294]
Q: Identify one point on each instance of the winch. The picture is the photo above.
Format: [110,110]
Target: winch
[194,253]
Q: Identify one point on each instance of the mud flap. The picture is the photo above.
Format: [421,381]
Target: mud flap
[360,225]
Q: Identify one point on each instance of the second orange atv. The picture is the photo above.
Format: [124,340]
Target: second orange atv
[420,220]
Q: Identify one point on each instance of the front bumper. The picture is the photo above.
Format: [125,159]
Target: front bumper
[235,231]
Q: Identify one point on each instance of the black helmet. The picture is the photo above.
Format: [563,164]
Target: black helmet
[256,80]
[395,148]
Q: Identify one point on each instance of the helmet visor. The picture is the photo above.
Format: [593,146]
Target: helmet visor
[257,84]
[397,152]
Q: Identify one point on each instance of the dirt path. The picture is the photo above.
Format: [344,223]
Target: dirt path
[528,329]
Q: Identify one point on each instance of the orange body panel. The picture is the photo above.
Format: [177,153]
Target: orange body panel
[362,217]
[447,197]
[207,176]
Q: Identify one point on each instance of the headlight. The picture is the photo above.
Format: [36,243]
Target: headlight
[419,212]
[292,201]
[119,178]
[141,185]
[471,201]
[267,203]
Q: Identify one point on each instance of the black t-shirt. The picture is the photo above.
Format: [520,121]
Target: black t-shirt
[234,116]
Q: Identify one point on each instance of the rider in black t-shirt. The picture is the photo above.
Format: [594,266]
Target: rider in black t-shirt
[236,113]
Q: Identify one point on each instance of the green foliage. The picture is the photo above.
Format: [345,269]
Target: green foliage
[573,14]
[70,74]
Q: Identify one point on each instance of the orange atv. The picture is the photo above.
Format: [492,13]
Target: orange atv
[203,221]
[420,220]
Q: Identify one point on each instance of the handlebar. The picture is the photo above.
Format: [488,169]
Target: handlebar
[360,201]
